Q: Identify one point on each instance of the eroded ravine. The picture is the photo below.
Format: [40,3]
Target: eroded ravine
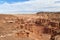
[35,27]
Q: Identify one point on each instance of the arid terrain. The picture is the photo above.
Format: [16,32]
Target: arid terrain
[39,26]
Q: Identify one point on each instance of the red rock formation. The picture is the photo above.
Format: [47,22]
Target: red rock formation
[38,26]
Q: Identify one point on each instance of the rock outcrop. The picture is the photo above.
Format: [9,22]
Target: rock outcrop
[40,26]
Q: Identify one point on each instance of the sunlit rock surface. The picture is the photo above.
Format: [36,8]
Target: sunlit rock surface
[39,26]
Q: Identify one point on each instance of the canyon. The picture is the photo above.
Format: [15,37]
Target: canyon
[39,26]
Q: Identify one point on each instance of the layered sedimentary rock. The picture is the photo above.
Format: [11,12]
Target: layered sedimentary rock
[40,26]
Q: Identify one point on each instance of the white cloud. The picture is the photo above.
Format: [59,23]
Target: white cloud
[32,5]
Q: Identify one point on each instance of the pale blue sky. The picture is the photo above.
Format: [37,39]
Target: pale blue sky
[27,6]
[12,1]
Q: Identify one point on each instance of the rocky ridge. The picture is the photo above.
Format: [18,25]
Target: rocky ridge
[40,26]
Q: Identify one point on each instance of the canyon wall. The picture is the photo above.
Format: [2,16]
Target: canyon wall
[39,26]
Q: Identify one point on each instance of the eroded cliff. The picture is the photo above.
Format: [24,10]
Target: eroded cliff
[40,26]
